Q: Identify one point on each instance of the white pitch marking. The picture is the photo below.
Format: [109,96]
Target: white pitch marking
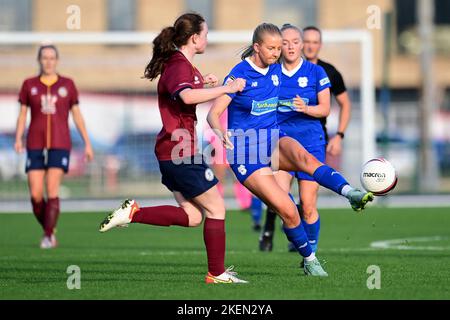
[404,244]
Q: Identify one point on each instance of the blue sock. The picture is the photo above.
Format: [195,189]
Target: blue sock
[329,178]
[293,200]
[312,231]
[299,239]
[256,210]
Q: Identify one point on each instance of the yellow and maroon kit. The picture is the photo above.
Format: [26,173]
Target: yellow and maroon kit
[50,104]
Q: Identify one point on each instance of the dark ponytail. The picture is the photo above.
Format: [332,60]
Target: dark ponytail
[257,37]
[163,48]
[247,52]
[170,40]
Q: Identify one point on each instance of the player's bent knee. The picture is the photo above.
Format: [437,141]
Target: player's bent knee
[37,194]
[195,219]
[291,221]
[311,161]
[194,222]
[309,211]
[289,215]
[53,194]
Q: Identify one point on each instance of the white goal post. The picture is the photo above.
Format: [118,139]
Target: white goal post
[361,37]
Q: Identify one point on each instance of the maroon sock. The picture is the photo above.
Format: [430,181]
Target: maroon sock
[39,210]
[51,216]
[214,237]
[162,216]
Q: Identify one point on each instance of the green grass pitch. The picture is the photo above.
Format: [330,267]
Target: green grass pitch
[145,262]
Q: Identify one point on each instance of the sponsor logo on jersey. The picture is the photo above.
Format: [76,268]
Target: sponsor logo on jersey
[242,170]
[34,91]
[275,80]
[254,84]
[302,82]
[324,81]
[265,106]
[62,91]
[48,104]
[196,80]
[209,175]
[287,105]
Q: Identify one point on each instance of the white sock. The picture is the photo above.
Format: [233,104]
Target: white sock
[346,189]
[311,257]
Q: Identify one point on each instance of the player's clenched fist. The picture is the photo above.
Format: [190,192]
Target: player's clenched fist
[236,85]
[226,140]
[210,80]
[299,105]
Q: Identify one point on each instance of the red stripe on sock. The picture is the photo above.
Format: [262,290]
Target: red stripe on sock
[214,237]
[162,216]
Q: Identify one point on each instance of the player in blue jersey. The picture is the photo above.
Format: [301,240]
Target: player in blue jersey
[257,146]
[304,99]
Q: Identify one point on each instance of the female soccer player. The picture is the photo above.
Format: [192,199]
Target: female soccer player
[219,164]
[184,172]
[304,99]
[50,97]
[311,43]
[257,144]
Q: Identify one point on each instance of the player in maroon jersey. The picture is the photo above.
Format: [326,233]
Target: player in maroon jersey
[50,97]
[184,172]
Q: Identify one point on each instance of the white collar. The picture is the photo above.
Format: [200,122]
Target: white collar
[293,71]
[263,71]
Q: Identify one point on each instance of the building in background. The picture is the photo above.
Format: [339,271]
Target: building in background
[151,15]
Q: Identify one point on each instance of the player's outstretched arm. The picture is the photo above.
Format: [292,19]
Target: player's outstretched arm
[79,123]
[213,118]
[194,96]
[20,128]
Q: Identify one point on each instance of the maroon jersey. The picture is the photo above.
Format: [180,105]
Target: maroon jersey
[50,106]
[178,74]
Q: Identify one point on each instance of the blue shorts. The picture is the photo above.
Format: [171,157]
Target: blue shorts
[316,151]
[191,178]
[42,159]
[247,158]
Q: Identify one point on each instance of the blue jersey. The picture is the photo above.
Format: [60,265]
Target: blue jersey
[252,118]
[306,81]
[255,107]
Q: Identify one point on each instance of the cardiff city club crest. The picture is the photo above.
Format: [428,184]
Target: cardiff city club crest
[303,82]
[275,80]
